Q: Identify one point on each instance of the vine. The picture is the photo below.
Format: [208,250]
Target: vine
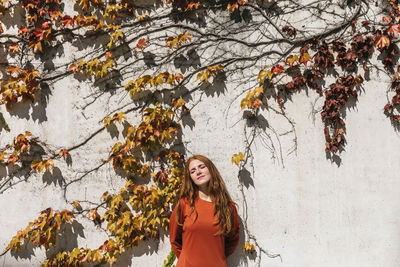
[162,56]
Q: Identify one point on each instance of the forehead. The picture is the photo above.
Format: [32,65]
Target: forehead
[194,163]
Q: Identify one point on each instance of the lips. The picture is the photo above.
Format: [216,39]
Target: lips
[198,178]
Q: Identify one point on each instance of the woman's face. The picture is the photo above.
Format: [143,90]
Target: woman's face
[199,173]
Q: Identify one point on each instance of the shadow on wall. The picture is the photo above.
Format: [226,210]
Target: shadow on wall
[239,258]
[66,241]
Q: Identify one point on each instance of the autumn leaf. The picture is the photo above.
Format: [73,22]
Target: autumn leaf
[119,116]
[178,103]
[232,7]
[263,74]
[394,30]
[395,77]
[74,68]
[256,103]
[386,19]
[143,16]
[13,69]
[93,215]
[77,206]
[22,30]
[64,153]
[248,247]
[108,54]
[105,196]
[36,46]
[67,20]
[236,158]
[37,166]
[172,41]
[48,163]
[12,159]
[3,156]
[185,37]
[305,58]
[13,48]
[383,42]
[290,60]
[192,6]
[142,43]
[107,121]
[358,80]
[277,69]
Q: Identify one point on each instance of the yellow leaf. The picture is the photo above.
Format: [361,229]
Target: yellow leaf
[107,121]
[236,158]
[77,205]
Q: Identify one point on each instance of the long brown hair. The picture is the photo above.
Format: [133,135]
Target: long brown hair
[217,191]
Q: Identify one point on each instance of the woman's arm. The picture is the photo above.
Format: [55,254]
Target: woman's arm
[232,239]
[175,230]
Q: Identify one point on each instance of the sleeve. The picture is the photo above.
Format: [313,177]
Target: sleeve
[232,239]
[175,231]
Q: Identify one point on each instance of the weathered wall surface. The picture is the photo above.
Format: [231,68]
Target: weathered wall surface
[310,209]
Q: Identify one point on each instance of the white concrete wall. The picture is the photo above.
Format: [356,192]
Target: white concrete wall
[309,209]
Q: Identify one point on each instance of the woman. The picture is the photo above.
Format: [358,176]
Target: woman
[204,226]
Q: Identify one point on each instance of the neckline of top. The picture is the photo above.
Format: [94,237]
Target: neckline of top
[198,197]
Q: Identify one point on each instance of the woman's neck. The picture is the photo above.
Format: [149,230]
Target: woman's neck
[204,196]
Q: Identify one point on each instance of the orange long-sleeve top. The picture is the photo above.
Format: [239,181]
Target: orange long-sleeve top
[195,243]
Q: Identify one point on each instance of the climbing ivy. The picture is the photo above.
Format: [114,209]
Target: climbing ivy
[174,50]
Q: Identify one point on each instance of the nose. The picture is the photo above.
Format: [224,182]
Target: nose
[198,171]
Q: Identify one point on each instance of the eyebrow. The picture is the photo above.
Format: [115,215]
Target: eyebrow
[197,166]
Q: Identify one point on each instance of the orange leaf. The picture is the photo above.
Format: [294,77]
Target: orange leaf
[383,41]
[108,54]
[13,48]
[22,30]
[142,43]
[290,60]
[386,19]
[12,159]
[12,69]
[93,215]
[67,20]
[192,6]
[36,46]
[232,7]
[256,103]
[74,68]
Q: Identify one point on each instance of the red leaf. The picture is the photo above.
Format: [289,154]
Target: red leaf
[277,69]
[13,48]
[74,68]
[142,43]
[386,19]
[365,23]
[64,153]
[22,30]
[67,20]
[394,29]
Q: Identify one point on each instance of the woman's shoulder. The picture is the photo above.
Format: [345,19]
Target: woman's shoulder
[233,205]
[184,201]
